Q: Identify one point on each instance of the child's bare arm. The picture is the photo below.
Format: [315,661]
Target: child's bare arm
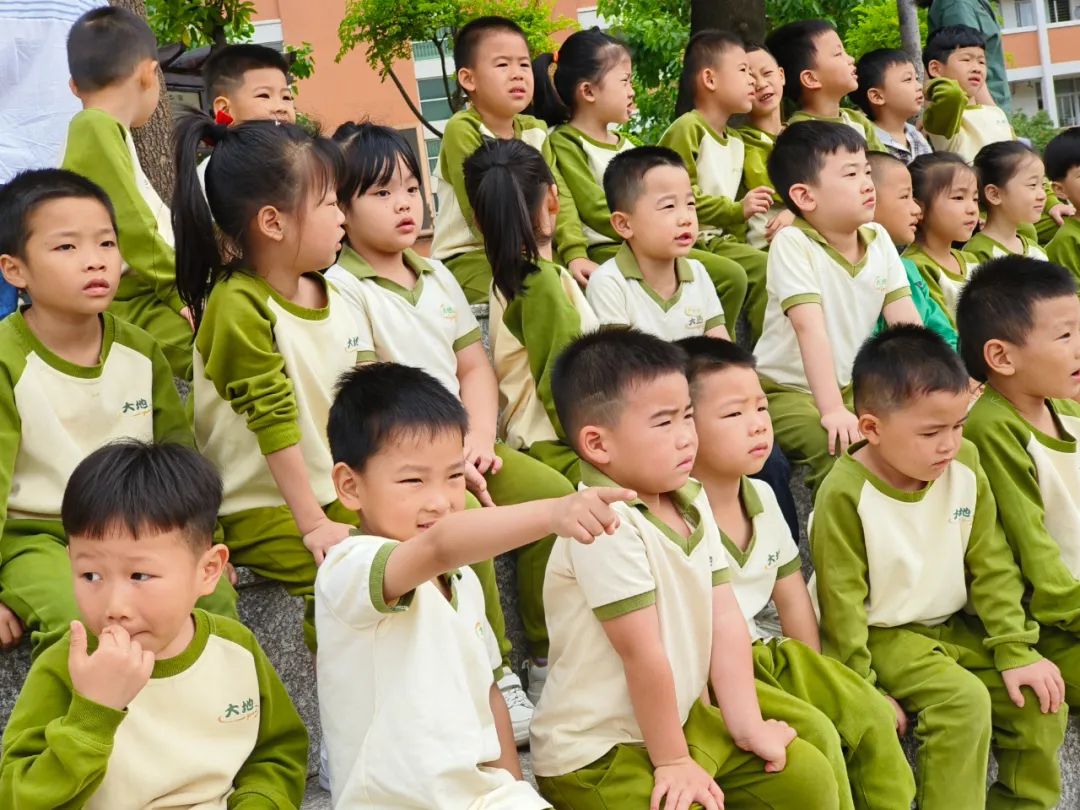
[797,619]
[480,396]
[902,310]
[290,473]
[508,756]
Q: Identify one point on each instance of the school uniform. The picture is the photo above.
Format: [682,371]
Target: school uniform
[758,145]
[984,248]
[1064,248]
[944,284]
[856,119]
[955,123]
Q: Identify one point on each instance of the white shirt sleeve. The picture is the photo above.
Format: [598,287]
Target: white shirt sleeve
[350,581]
[790,276]
[606,294]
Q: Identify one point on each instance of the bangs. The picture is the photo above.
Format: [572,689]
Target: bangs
[325,166]
[371,158]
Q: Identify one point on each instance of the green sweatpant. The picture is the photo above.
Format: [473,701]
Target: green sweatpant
[171,330]
[1063,648]
[797,428]
[947,678]
[623,777]
[36,582]
[751,263]
[824,699]
[268,541]
[473,272]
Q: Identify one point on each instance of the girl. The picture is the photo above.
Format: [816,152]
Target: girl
[1011,191]
[947,191]
[411,310]
[536,307]
[272,338]
[581,91]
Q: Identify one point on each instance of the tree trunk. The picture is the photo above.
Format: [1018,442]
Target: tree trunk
[154,141]
[910,38]
[743,17]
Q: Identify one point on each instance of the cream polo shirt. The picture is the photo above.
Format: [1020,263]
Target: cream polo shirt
[803,269]
[585,709]
[425,326]
[404,689]
[770,555]
[619,294]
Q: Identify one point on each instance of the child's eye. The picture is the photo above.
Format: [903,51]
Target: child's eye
[731,415]
[762,408]
[410,481]
[109,243]
[262,95]
[1065,336]
[65,246]
[137,577]
[413,189]
[382,192]
[91,576]
[456,476]
[665,423]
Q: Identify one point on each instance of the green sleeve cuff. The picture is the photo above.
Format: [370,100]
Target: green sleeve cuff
[92,720]
[616,609]
[466,340]
[802,298]
[712,323]
[574,252]
[277,437]
[375,583]
[1013,654]
[367,357]
[721,576]
[789,568]
[896,295]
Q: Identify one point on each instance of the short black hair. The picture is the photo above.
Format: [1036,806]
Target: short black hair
[370,152]
[997,163]
[468,39]
[706,355]
[801,150]
[902,363]
[29,190]
[105,45]
[593,376]
[702,51]
[871,69]
[381,402]
[998,303]
[224,71]
[880,160]
[624,176]
[942,42]
[794,47]
[1062,154]
[142,487]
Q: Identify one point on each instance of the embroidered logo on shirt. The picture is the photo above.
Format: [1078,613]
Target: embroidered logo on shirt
[136,407]
[448,311]
[246,710]
[694,318]
[772,559]
[353,343]
[480,630]
[962,514]
[881,281]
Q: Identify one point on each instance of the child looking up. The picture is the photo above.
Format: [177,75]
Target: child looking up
[112,56]
[1012,192]
[947,193]
[716,75]
[1062,158]
[763,124]
[249,83]
[536,306]
[494,70]
[891,94]
[273,337]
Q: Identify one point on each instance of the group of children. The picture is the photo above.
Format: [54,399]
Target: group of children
[346,434]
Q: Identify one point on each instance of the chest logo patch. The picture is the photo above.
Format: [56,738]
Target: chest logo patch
[881,281]
[962,514]
[694,318]
[247,709]
[449,312]
[136,407]
[772,559]
[353,344]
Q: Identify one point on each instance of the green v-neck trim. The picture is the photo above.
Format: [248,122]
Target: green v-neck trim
[359,267]
[1063,445]
[879,484]
[965,261]
[753,506]
[618,146]
[55,361]
[867,235]
[628,266]
[1025,242]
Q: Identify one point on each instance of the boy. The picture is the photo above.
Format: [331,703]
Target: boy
[411,714]
[905,542]
[152,702]
[716,74]
[818,73]
[644,623]
[249,83]
[1020,330]
[891,94]
[112,56]
[830,277]
[898,213]
[72,377]
[650,283]
[495,72]
[1062,162]
[735,437]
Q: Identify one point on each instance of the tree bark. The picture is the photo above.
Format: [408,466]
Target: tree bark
[910,39]
[154,141]
[743,17]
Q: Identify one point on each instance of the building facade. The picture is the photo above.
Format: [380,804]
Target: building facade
[1041,39]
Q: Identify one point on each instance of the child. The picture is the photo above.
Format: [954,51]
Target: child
[72,377]
[643,623]
[898,212]
[716,75]
[112,56]
[536,306]
[904,537]
[1020,326]
[495,72]
[818,73]
[151,702]
[735,437]
[830,277]
[408,705]
[891,94]
[249,83]
[947,193]
[273,337]
[650,283]
[1062,159]
[1011,190]
[411,310]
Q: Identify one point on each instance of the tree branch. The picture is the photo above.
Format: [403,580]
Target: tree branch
[408,100]
[450,97]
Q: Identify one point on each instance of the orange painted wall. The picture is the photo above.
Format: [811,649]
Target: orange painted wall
[1065,43]
[1021,50]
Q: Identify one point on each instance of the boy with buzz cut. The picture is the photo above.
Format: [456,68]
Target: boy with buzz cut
[891,94]
[650,283]
[644,626]
[1020,334]
[112,56]
[1062,161]
[494,70]
[823,697]
[73,376]
[149,701]
[831,276]
[919,593]
[249,83]
[410,712]
[818,73]
[716,75]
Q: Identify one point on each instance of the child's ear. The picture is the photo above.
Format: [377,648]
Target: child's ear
[620,223]
[270,223]
[1058,188]
[221,104]
[552,200]
[803,197]
[809,80]
[997,355]
[593,445]
[148,74]
[587,92]
[211,567]
[707,78]
[992,194]
[13,270]
[935,69]
[465,79]
[870,428]
[875,96]
[348,486]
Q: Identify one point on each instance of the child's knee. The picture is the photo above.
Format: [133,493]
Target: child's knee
[808,778]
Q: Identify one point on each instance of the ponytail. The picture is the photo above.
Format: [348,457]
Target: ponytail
[547,104]
[585,56]
[506,182]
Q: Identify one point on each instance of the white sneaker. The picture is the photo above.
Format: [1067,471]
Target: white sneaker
[324,765]
[537,678]
[521,708]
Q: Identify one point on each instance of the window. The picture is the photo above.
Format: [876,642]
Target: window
[1068,101]
[1025,13]
[433,101]
[433,145]
[1058,11]
[423,51]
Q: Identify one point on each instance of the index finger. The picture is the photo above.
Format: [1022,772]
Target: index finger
[658,793]
[614,494]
